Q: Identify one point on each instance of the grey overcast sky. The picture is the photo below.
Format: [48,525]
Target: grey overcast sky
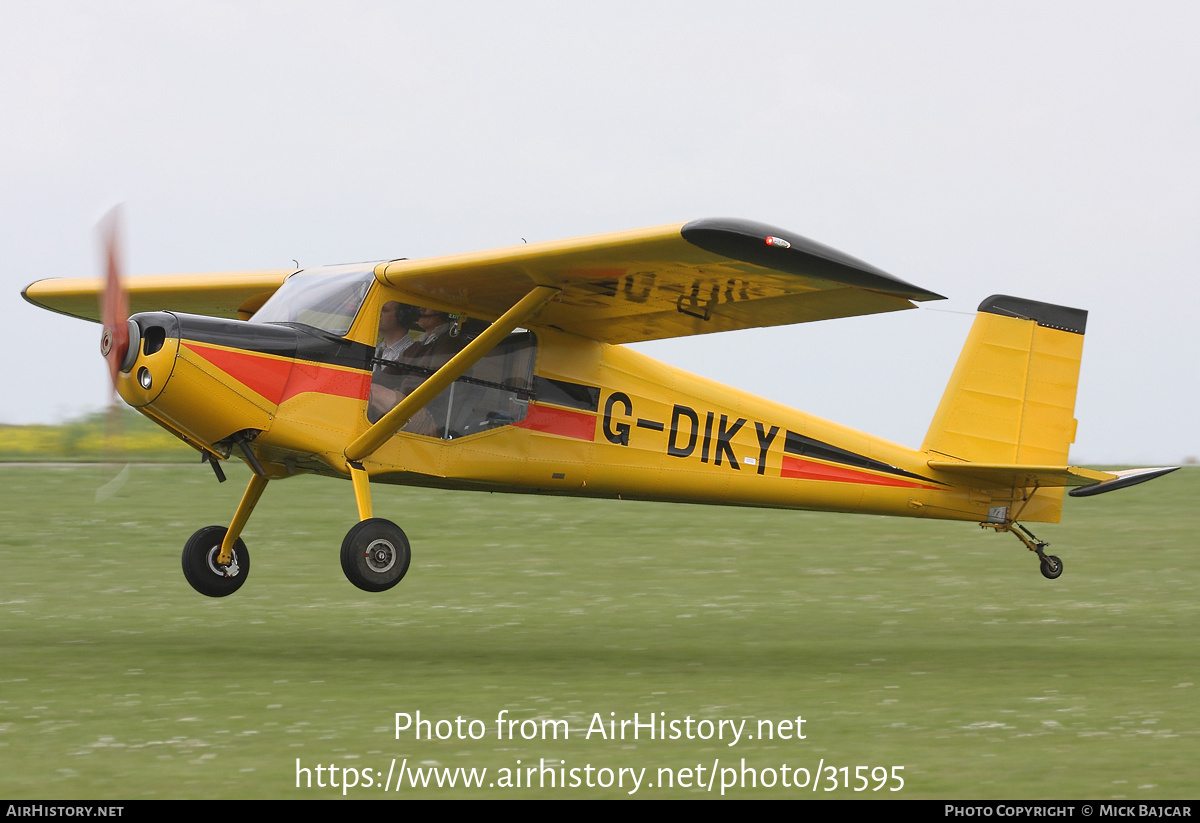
[1043,149]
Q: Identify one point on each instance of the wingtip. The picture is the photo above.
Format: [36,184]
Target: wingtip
[758,243]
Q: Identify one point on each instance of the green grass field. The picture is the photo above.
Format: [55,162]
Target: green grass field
[935,647]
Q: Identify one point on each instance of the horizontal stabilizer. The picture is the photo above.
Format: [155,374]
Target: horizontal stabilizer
[1129,477]
[1016,475]
[1011,475]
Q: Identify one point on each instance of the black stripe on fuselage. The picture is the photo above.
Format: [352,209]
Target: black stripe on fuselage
[562,393]
[292,340]
[801,446]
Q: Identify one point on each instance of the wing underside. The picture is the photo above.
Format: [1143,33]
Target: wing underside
[667,281]
[648,284]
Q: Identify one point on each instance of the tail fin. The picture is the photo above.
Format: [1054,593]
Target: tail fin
[1011,398]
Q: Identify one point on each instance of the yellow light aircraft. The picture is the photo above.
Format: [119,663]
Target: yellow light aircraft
[517,382]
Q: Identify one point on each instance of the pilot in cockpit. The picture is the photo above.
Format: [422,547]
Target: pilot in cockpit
[395,321]
[409,362]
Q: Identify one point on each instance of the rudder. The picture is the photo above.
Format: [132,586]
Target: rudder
[1011,397]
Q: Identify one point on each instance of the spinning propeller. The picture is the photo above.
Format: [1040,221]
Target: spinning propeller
[114,303]
[115,343]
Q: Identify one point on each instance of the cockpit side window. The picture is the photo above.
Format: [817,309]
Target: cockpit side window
[415,342]
[326,299]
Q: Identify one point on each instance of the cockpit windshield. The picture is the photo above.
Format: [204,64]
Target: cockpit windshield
[326,298]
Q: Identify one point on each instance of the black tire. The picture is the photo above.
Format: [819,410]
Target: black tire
[1051,567]
[375,555]
[200,563]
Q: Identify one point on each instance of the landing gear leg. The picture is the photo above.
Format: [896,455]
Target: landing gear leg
[1051,566]
[362,489]
[249,500]
[375,553]
[215,560]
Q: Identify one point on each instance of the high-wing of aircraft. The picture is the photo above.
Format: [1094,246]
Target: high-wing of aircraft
[504,371]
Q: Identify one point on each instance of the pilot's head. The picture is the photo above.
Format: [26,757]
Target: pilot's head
[430,319]
[397,315]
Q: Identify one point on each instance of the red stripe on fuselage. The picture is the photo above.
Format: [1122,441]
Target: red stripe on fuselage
[805,470]
[312,377]
[580,425]
[278,380]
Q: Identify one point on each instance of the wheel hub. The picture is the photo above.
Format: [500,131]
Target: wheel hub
[231,570]
[381,556]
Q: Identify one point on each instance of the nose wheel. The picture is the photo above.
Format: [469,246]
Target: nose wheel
[375,555]
[202,566]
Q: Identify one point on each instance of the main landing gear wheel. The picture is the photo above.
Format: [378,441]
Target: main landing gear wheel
[375,555]
[202,570]
[1051,567]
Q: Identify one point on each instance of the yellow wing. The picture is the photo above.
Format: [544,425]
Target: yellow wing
[235,295]
[667,281]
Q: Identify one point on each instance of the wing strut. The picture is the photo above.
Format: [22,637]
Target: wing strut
[369,441]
